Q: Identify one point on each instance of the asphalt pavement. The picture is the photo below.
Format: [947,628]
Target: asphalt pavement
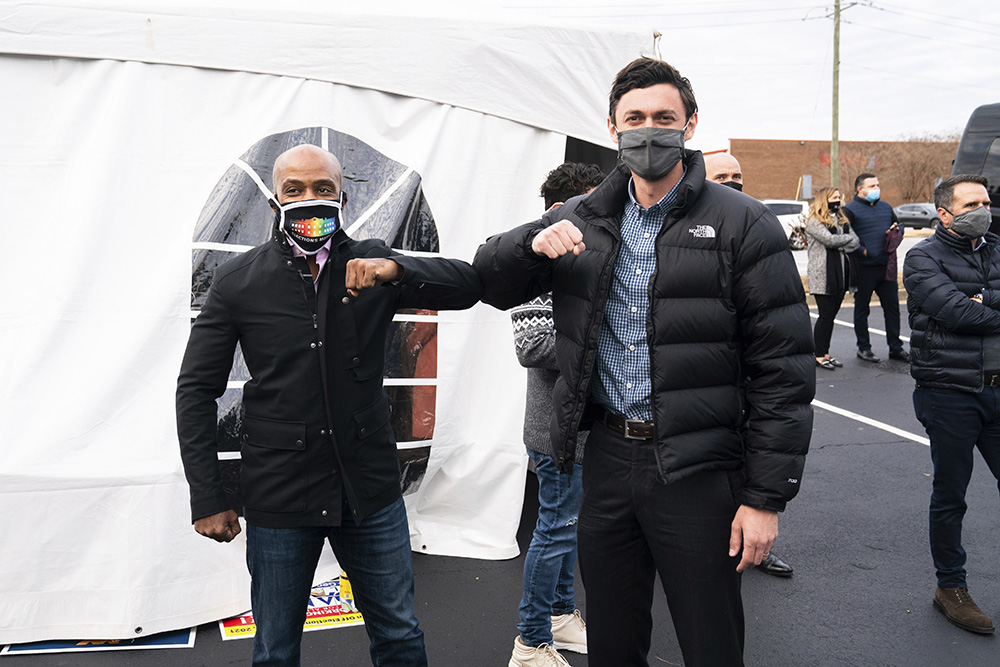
[856,536]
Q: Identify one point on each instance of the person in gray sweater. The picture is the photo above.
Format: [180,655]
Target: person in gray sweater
[830,239]
[549,618]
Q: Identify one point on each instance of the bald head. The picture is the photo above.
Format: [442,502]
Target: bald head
[723,168]
[306,172]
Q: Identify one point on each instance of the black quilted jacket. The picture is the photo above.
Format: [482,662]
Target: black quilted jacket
[947,327]
[732,365]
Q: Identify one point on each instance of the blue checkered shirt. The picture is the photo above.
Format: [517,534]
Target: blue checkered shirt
[622,349]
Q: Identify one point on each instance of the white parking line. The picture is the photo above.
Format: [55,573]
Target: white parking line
[905,339]
[872,422]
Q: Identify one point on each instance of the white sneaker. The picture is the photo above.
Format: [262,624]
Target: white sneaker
[539,656]
[569,632]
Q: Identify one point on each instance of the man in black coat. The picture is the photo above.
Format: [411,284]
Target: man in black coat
[684,339]
[319,460]
[953,297]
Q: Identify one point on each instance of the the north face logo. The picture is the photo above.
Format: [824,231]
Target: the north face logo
[703,232]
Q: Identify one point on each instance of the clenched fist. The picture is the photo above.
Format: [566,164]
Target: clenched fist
[365,273]
[221,527]
[558,239]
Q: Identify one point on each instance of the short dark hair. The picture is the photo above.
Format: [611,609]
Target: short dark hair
[859,181]
[646,72]
[944,193]
[569,180]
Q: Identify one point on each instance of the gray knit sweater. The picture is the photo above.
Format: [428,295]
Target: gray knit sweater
[535,344]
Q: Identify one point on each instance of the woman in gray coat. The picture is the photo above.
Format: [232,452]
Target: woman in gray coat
[830,239]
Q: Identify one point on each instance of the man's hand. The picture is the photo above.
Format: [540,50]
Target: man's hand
[558,239]
[221,527]
[365,273]
[757,530]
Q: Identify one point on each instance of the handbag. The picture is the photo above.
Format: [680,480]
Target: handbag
[797,239]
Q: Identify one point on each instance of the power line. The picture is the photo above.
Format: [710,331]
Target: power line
[924,37]
[935,21]
[937,17]
[922,80]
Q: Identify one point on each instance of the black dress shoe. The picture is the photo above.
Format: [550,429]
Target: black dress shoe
[775,566]
[900,355]
[836,363]
[867,355]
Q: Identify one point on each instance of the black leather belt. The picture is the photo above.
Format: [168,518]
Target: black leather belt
[991,379]
[632,429]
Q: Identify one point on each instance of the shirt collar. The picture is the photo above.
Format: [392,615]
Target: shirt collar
[321,255]
[667,201]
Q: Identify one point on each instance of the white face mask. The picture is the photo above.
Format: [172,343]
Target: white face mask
[310,223]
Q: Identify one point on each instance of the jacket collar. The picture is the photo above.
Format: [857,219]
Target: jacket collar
[960,243]
[607,201]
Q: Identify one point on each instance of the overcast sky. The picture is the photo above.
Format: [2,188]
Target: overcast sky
[764,68]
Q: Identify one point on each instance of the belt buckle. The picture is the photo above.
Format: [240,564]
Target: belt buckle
[628,430]
[993,380]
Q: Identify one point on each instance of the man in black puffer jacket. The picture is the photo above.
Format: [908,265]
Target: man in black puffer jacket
[953,296]
[683,337]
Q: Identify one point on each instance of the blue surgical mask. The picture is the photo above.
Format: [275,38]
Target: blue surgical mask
[873,195]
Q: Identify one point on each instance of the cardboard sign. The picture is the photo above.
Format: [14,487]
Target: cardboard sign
[330,605]
[173,639]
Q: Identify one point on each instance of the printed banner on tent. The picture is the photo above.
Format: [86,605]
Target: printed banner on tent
[174,639]
[330,605]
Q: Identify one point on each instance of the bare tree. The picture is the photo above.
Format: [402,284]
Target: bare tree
[909,166]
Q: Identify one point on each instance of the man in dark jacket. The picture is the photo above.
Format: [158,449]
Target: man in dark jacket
[953,296]
[683,338]
[875,223]
[319,458]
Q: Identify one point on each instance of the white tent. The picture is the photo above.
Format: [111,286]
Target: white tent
[124,116]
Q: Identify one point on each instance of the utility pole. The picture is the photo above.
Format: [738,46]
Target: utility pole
[835,139]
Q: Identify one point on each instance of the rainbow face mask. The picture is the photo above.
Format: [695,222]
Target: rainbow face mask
[310,223]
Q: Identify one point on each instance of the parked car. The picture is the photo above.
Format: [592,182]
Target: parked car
[790,212]
[917,215]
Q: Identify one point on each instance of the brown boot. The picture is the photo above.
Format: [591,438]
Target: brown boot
[957,606]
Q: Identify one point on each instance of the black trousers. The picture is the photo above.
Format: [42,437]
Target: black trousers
[872,279]
[633,526]
[827,306]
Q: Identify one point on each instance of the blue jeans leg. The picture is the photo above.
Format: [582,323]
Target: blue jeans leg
[956,423]
[551,557]
[282,562]
[376,557]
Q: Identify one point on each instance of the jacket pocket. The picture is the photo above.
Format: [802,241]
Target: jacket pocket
[378,459]
[273,471]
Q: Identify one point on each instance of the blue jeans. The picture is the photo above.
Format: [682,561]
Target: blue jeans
[551,557]
[376,557]
[957,422]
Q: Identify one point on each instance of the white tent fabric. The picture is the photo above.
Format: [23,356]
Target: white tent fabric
[124,118]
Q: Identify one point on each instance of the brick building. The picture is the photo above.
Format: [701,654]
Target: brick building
[907,170]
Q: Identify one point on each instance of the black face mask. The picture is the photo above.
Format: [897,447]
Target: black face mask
[834,206]
[733,184]
[311,223]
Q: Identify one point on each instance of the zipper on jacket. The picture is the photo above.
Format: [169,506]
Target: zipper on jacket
[604,284]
